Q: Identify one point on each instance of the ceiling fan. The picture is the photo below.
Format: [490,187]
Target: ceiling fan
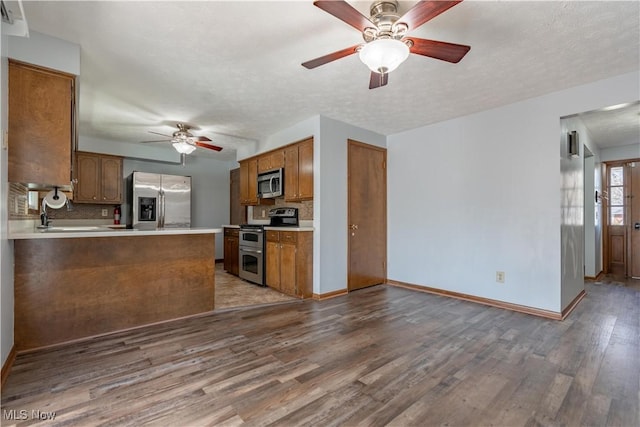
[184,141]
[386,44]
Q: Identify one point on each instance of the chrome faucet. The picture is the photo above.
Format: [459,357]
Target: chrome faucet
[44,218]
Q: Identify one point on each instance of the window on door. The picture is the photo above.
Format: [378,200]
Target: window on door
[616,196]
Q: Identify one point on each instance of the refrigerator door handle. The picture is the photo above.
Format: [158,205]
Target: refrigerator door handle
[161,209]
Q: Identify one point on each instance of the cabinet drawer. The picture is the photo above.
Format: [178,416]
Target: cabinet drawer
[288,236]
[273,236]
[233,232]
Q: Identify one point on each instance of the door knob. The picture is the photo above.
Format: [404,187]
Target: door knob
[354,226]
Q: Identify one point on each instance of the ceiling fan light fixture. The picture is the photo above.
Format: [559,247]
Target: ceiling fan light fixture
[384,55]
[183,147]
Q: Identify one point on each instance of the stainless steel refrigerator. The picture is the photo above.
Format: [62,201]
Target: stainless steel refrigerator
[158,201]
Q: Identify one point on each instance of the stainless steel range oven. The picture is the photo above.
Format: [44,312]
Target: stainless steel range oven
[252,253]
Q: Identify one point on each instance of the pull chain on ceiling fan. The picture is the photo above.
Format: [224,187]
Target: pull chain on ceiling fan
[184,141]
[386,45]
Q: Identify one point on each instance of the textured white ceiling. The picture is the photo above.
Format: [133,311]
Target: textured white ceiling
[234,67]
[614,126]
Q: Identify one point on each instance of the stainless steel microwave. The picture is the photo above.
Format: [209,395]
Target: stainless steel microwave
[271,184]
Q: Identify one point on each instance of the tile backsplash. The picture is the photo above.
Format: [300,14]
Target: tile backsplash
[305,209]
[18,207]
[18,203]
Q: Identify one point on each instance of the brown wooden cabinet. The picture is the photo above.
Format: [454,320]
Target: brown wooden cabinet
[231,250]
[237,212]
[99,178]
[41,125]
[270,161]
[299,171]
[98,285]
[289,262]
[249,181]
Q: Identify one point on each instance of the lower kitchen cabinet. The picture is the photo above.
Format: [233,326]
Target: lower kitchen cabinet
[231,250]
[289,262]
[122,284]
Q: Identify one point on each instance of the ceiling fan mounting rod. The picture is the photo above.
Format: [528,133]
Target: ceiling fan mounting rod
[384,15]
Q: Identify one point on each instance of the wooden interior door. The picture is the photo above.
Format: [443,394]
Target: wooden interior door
[367,215]
[634,219]
[617,253]
[622,239]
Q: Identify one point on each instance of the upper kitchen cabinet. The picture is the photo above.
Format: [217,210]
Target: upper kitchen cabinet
[99,178]
[41,125]
[270,161]
[249,181]
[298,176]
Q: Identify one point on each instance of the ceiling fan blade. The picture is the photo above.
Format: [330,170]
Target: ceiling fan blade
[157,140]
[378,80]
[209,146]
[425,11]
[346,13]
[161,134]
[330,57]
[202,139]
[449,52]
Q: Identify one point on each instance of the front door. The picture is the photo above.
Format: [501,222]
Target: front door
[623,219]
[634,219]
[367,216]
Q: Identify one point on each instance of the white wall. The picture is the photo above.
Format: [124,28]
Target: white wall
[209,190]
[592,210]
[330,192]
[589,218]
[332,201]
[124,149]
[6,246]
[571,212]
[479,194]
[46,51]
[620,153]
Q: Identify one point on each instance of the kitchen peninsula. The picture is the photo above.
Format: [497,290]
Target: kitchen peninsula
[77,282]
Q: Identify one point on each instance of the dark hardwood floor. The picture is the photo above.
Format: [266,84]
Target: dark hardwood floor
[377,356]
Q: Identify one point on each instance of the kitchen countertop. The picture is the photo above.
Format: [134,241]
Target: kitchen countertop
[65,232]
[288,228]
[268,227]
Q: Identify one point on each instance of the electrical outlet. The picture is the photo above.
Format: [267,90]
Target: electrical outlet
[264,213]
[105,212]
[500,276]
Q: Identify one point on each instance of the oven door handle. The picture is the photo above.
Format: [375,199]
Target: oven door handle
[255,251]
